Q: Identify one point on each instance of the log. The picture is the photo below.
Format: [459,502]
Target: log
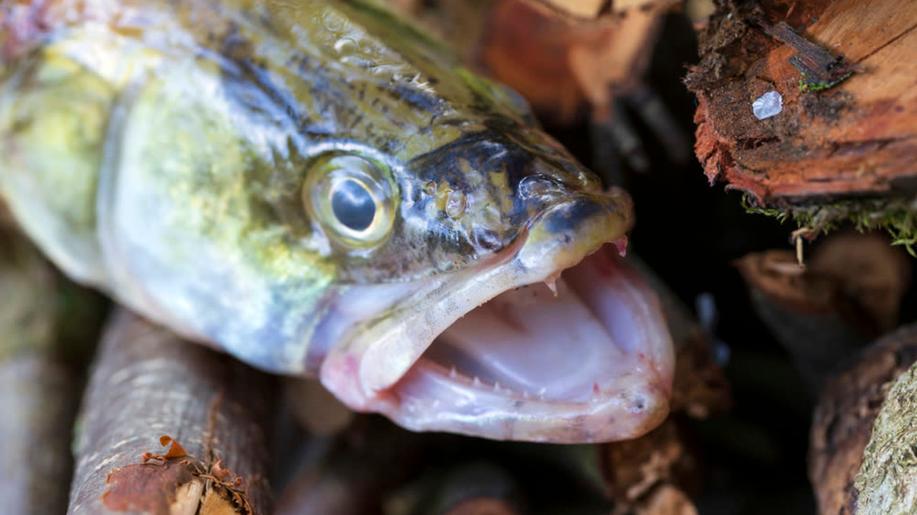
[846,416]
[842,146]
[887,480]
[150,390]
[587,68]
[571,65]
[848,294]
[40,377]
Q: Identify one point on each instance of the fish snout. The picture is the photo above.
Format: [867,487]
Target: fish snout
[571,228]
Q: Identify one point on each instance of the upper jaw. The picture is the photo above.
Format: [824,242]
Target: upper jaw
[381,368]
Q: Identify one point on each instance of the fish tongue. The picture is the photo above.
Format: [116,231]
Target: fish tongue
[530,340]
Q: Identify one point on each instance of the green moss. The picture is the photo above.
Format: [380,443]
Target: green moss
[897,216]
[809,86]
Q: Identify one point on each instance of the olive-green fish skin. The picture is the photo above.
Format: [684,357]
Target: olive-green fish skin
[158,151]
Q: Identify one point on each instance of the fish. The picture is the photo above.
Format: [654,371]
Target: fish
[320,189]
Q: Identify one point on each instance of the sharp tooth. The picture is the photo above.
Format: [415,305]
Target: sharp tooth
[452,373]
[496,386]
[476,382]
[541,393]
[551,283]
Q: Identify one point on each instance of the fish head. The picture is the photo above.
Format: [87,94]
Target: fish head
[497,303]
[478,286]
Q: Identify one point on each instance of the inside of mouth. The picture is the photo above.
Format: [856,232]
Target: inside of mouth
[532,343]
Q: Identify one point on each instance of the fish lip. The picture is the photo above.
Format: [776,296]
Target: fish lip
[625,402]
[360,372]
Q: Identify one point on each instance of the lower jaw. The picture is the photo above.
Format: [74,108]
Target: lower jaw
[623,393]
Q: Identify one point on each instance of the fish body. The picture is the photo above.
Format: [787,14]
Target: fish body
[319,189]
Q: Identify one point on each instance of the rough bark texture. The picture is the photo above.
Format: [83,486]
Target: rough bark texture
[147,383]
[887,480]
[634,471]
[39,380]
[856,137]
[847,75]
[846,416]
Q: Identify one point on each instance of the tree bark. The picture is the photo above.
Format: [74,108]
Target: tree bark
[839,147]
[848,80]
[887,480]
[149,388]
[846,417]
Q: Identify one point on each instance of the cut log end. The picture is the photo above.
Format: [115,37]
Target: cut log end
[845,129]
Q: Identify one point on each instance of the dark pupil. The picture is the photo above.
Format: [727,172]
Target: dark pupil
[353,205]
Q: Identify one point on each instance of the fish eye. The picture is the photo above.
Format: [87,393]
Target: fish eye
[353,204]
[351,197]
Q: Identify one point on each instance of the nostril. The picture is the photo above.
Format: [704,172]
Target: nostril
[539,186]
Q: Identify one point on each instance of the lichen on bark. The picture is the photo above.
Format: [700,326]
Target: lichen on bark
[887,480]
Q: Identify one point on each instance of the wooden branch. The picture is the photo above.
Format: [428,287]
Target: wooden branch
[848,80]
[149,389]
[846,416]
[634,470]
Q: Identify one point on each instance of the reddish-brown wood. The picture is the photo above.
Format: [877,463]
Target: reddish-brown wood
[858,137]
[571,64]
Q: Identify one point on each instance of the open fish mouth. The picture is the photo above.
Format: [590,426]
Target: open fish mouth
[556,339]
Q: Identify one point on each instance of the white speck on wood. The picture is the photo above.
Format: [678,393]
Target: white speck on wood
[767,105]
